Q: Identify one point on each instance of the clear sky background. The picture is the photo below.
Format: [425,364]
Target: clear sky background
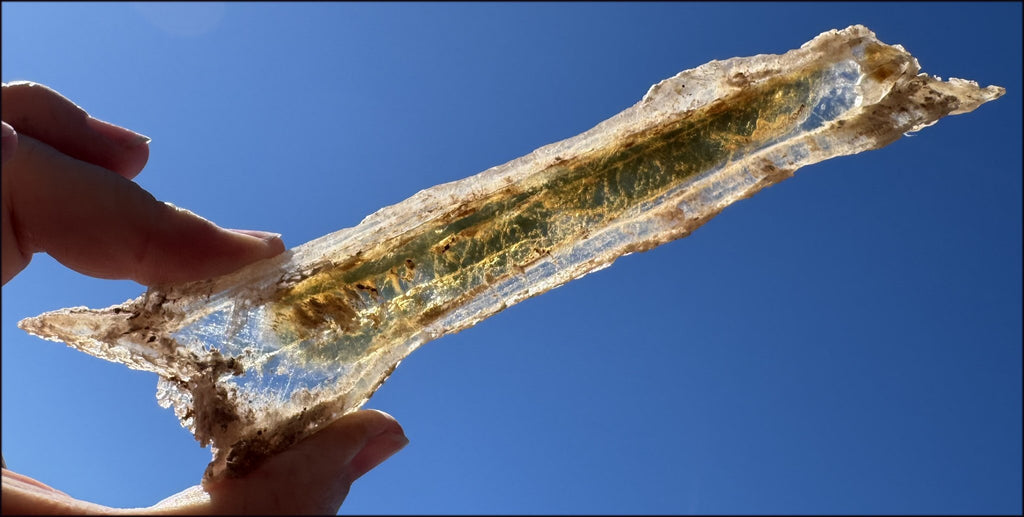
[848,341]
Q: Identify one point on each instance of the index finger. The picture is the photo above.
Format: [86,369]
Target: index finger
[101,224]
[41,112]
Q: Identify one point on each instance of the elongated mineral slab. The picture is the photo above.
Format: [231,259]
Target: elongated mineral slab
[256,360]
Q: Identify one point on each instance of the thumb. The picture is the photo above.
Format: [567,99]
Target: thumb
[313,476]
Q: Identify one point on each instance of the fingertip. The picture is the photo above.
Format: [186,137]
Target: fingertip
[121,136]
[372,421]
[44,114]
[186,247]
[271,242]
[275,246]
[364,440]
[129,153]
[354,429]
[9,142]
[132,161]
[377,450]
[353,434]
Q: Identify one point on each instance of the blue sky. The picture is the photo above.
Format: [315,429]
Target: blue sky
[847,341]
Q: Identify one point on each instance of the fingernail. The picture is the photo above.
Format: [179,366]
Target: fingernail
[9,143]
[264,236]
[124,137]
[376,451]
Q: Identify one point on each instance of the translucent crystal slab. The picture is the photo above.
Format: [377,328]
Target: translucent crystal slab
[258,359]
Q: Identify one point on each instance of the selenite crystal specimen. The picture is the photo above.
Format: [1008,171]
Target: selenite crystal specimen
[255,360]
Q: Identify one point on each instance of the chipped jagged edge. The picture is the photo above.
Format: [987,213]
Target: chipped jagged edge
[138,332]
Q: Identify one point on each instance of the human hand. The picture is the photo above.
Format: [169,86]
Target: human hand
[67,191]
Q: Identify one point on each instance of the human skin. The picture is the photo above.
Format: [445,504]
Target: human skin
[67,191]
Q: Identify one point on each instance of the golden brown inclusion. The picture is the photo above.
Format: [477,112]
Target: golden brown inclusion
[448,260]
[258,359]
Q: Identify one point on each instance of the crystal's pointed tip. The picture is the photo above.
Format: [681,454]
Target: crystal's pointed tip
[46,326]
[30,324]
[970,94]
[994,92]
[72,324]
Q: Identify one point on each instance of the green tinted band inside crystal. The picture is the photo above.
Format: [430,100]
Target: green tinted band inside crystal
[501,234]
